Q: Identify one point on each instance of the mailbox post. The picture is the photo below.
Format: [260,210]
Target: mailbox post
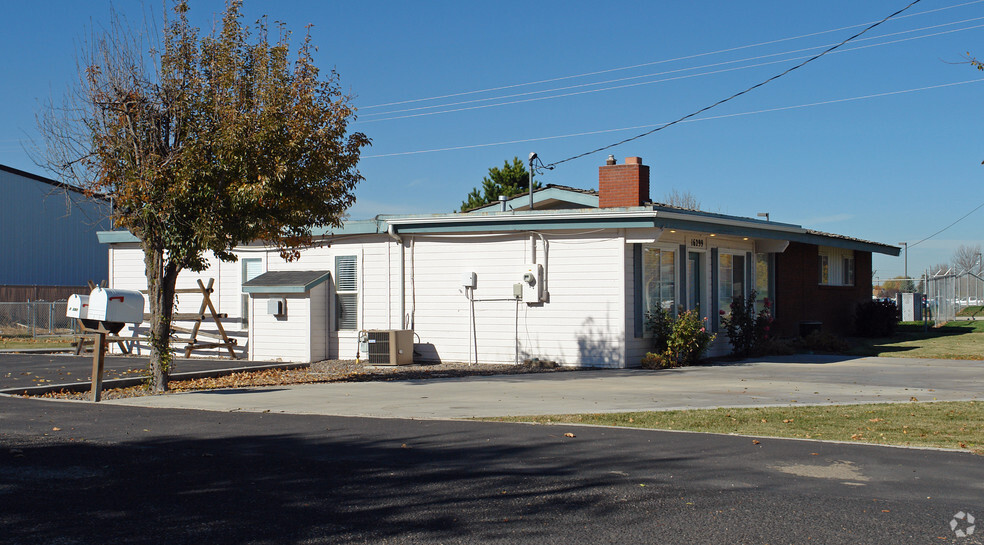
[98,362]
[106,311]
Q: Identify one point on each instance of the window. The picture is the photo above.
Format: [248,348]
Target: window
[848,270]
[659,280]
[836,266]
[252,268]
[731,280]
[763,280]
[347,292]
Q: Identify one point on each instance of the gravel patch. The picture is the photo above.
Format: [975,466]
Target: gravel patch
[331,371]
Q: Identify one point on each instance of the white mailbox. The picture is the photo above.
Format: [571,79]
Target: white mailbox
[78,306]
[121,306]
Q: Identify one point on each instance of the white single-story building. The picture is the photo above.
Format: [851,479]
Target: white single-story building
[569,281]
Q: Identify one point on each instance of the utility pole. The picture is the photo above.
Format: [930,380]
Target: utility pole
[906,244]
[532,158]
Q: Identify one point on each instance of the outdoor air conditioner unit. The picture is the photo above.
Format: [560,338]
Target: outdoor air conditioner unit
[388,346]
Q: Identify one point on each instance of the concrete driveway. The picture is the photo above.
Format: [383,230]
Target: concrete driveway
[794,380]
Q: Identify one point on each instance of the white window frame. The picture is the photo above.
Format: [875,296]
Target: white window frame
[839,265]
[672,305]
[722,252]
[246,277]
[346,289]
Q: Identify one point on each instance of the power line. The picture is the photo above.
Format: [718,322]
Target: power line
[663,80]
[736,95]
[651,63]
[948,226]
[710,118]
[653,74]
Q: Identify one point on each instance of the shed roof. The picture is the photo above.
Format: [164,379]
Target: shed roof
[285,281]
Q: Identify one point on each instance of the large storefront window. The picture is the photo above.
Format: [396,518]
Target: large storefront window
[658,277]
[731,280]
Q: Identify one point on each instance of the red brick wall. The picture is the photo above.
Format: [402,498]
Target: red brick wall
[623,185]
[799,297]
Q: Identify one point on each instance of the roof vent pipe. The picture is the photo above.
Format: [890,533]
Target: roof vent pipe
[502,202]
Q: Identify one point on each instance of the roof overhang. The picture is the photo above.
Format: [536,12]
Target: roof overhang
[640,217]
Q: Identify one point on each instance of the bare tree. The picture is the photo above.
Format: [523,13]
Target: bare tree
[684,199]
[968,259]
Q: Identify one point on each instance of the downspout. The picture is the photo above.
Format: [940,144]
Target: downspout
[391,231]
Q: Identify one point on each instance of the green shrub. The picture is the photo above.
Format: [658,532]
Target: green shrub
[876,319]
[660,322]
[748,331]
[677,342]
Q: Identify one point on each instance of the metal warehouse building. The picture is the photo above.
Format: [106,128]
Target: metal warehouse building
[48,232]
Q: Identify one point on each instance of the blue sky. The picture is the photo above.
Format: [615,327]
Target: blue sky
[881,140]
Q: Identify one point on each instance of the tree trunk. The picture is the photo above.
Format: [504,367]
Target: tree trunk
[161,279]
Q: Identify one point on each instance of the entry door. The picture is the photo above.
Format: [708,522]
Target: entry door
[695,288]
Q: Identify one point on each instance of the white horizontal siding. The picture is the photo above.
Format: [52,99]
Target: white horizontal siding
[583,322]
[282,339]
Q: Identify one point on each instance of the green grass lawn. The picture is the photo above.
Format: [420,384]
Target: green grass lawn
[40,342]
[955,340]
[956,425]
[975,310]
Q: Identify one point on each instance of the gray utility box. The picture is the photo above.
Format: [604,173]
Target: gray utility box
[911,306]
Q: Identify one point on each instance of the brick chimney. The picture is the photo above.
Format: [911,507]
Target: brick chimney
[623,185]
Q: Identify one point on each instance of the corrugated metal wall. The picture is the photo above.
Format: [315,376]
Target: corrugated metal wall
[48,234]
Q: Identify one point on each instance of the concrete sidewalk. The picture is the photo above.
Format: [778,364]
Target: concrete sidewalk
[795,380]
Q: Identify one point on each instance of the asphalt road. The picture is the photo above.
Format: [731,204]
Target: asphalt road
[79,473]
[795,380]
[26,370]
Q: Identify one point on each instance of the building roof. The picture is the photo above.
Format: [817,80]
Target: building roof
[285,281]
[550,196]
[582,215]
[49,181]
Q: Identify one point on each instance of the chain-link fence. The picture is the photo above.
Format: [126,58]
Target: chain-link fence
[949,294]
[35,319]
